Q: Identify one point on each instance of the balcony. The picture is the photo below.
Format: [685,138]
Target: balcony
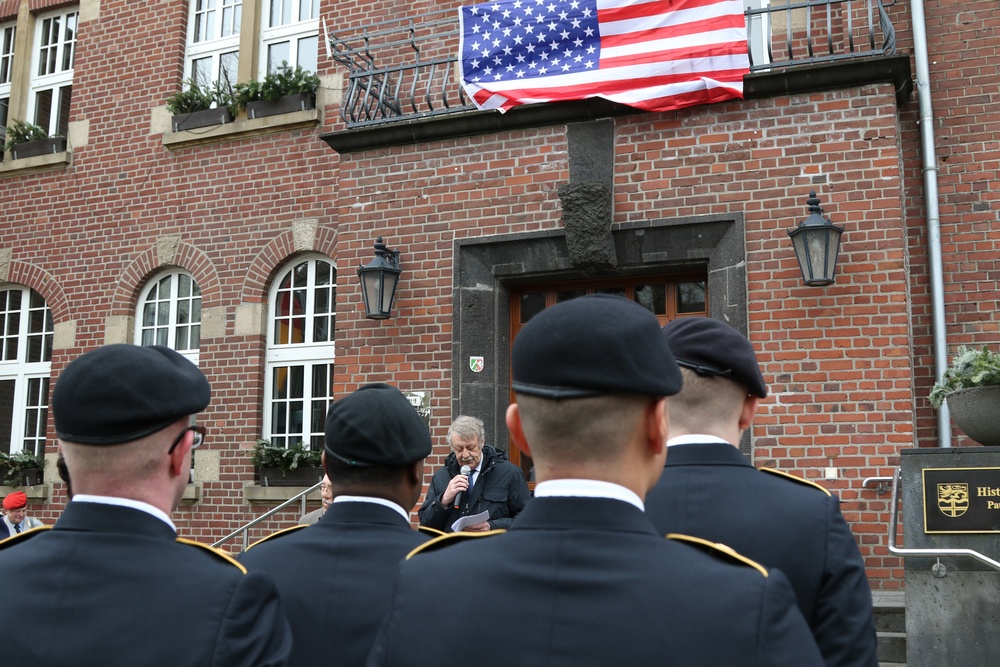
[404,73]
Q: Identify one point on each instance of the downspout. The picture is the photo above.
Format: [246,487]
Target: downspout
[931,205]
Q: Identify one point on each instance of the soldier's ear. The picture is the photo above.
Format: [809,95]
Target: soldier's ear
[657,425]
[750,405]
[516,429]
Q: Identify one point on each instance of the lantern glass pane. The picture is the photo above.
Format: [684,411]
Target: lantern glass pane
[389,281]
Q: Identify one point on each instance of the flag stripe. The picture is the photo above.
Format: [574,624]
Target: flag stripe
[652,54]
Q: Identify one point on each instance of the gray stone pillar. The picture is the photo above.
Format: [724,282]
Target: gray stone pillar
[952,603]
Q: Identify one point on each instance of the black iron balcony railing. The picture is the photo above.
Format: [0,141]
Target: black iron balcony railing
[407,68]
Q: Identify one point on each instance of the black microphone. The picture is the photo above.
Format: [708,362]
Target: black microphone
[466,470]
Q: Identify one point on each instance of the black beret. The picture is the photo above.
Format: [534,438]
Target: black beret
[593,345]
[120,393]
[376,426]
[711,347]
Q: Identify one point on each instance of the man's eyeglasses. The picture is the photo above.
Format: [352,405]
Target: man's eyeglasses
[199,437]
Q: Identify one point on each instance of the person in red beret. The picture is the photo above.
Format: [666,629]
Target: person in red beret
[16,519]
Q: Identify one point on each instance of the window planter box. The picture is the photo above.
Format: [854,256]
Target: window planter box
[297,477]
[286,104]
[40,147]
[30,477]
[203,118]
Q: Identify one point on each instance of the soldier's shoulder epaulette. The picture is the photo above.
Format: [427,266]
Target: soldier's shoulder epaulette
[21,537]
[283,531]
[449,539]
[719,550]
[433,532]
[785,475]
[218,553]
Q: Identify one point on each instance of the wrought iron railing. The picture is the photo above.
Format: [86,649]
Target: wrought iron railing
[407,68]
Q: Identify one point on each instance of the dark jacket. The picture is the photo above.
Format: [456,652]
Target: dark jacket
[588,581]
[500,488]
[335,579]
[110,586]
[711,491]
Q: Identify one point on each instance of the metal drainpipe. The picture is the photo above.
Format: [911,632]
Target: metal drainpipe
[931,204]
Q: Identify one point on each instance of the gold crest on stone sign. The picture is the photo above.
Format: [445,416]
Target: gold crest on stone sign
[953,499]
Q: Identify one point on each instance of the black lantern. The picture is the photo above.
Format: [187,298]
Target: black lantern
[817,242]
[378,281]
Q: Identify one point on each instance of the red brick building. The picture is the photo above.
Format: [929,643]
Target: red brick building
[238,243]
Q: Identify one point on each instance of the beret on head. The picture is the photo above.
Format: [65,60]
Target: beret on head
[15,501]
[120,393]
[593,345]
[711,347]
[376,426]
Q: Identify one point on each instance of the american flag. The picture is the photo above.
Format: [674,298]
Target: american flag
[655,55]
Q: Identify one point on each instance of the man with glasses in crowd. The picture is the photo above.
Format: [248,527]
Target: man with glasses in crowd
[111,583]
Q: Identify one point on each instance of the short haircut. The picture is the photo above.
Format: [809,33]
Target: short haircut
[372,477]
[466,427]
[593,429]
[134,460]
[706,400]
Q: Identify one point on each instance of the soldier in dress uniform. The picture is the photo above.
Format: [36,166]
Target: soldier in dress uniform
[335,577]
[111,583]
[708,489]
[582,577]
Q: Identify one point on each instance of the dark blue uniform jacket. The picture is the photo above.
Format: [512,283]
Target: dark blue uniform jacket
[711,491]
[588,581]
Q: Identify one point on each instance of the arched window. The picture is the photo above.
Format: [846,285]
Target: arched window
[25,355]
[299,386]
[170,314]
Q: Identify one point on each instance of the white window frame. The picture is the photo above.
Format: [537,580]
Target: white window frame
[26,373]
[310,356]
[57,77]
[8,37]
[166,317]
[758,32]
[220,21]
[302,23]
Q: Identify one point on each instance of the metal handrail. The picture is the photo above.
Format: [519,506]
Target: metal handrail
[266,515]
[881,487]
[901,551]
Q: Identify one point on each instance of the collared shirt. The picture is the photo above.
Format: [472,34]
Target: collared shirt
[376,501]
[695,439]
[474,473]
[587,488]
[126,502]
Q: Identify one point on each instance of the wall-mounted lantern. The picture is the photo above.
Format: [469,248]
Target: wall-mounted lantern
[379,279]
[817,242]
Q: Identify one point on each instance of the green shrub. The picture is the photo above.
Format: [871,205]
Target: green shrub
[287,458]
[19,132]
[197,97]
[13,466]
[970,368]
[283,81]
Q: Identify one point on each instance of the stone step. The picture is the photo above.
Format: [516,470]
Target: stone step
[892,647]
[890,624]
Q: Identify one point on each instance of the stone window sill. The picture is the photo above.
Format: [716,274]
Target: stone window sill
[240,128]
[274,495]
[38,492]
[38,163]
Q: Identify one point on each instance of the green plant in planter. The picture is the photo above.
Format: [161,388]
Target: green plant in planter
[283,81]
[970,368]
[286,458]
[20,132]
[197,97]
[13,466]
